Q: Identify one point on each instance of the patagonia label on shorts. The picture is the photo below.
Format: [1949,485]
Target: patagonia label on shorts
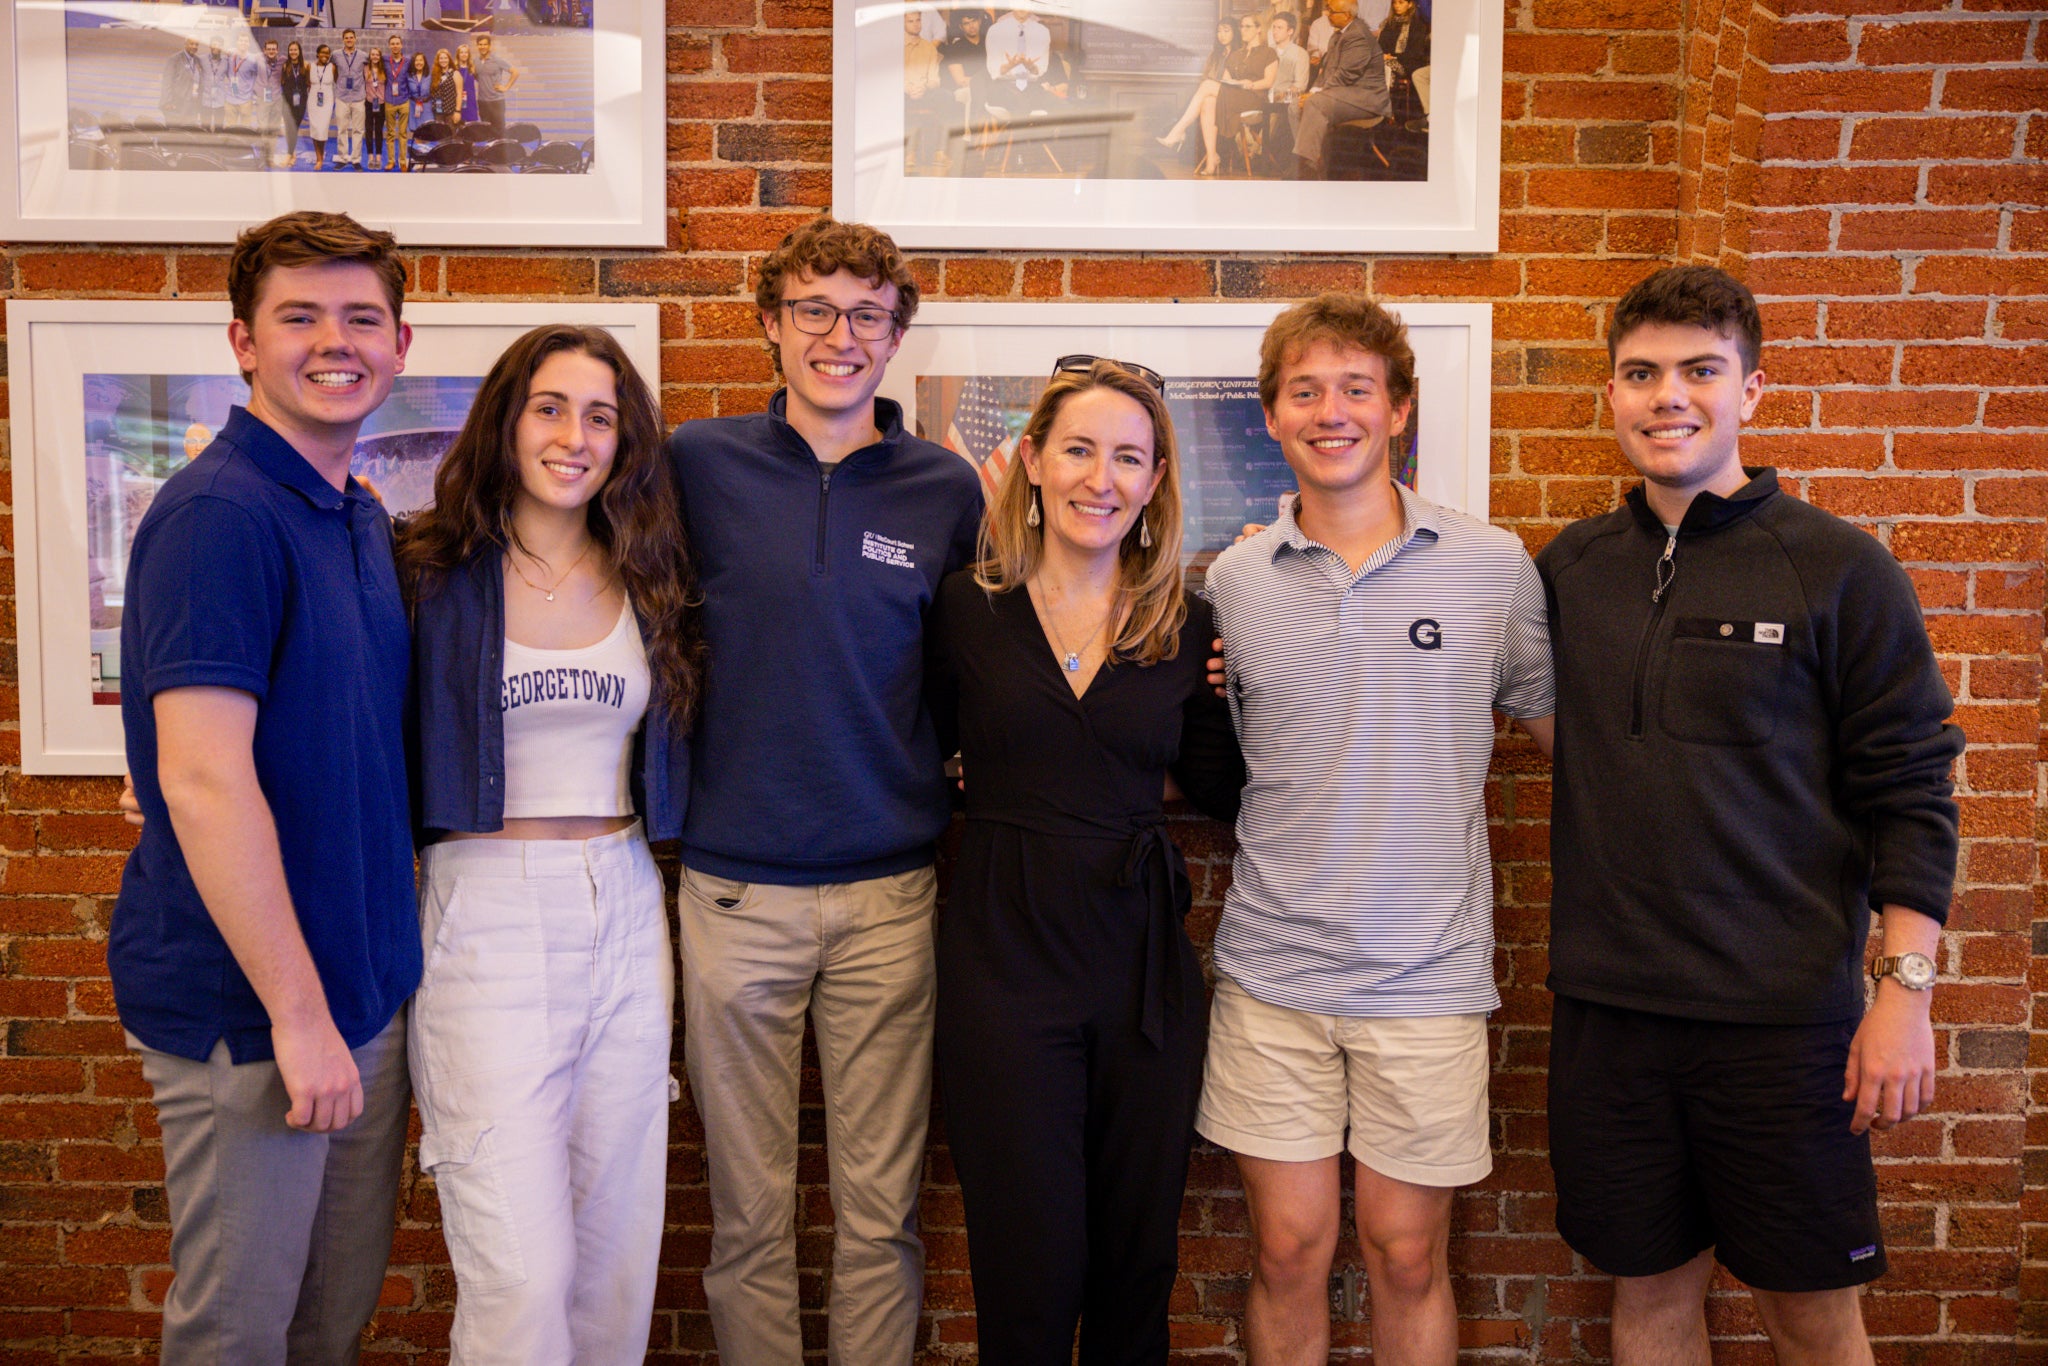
[1863,1254]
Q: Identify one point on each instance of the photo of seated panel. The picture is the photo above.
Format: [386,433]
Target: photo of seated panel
[1178,124]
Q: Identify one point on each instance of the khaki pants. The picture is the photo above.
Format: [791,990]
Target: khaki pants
[397,115]
[858,958]
[352,116]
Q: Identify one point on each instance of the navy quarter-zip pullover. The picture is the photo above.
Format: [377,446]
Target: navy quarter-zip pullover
[815,759]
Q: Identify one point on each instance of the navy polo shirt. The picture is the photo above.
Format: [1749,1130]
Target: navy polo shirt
[251,571]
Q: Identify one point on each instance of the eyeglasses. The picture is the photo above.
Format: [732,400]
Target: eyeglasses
[818,318]
[1081,365]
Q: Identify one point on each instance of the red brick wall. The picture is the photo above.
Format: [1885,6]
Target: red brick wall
[1897,226]
[1727,64]
[1874,170]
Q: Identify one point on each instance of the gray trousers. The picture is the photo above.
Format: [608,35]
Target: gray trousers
[279,1238]
[1334,106]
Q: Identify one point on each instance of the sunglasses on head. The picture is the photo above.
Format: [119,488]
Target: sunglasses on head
[1081,365]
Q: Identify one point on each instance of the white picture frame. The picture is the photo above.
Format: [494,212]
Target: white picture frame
[53,347]
[1130,197]
[56,188]
[1208,353]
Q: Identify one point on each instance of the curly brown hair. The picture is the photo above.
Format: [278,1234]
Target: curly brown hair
[635,519]
[1351,320]
[825,246]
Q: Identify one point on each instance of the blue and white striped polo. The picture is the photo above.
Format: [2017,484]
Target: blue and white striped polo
[1365,705]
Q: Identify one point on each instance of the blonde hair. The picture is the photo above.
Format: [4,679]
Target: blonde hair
[1149,610]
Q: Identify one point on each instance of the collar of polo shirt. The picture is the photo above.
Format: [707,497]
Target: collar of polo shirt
[1418,516]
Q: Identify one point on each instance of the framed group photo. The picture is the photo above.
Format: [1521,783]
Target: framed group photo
[511,122]
[110,398]
[1171,125]
[967,375]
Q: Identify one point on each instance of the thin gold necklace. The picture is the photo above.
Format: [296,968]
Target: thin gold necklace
[549,592]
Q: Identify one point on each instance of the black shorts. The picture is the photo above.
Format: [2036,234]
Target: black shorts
[1671,1136]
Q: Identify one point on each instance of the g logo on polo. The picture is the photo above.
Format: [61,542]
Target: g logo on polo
[1426,635]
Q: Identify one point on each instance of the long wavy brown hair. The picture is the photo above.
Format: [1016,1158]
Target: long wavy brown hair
[1149,610]
[635,519]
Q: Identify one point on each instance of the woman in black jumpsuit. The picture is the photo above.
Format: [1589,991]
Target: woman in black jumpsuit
[1071,1013]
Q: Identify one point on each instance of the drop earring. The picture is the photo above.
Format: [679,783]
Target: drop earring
[1031,518]
[1144,532]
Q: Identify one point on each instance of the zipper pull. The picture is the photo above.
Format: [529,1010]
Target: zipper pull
[1667,569]
[825,479]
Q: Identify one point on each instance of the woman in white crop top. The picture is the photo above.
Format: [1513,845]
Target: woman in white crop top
[556,666]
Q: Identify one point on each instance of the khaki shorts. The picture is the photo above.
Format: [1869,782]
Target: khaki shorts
[1281,1084]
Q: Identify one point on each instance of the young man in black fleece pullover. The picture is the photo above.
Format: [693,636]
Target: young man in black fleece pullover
[1752,756]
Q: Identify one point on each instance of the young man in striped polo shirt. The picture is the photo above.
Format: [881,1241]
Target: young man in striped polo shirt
[1369,637]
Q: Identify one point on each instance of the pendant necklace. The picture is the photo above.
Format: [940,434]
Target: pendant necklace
[1070,659]
[549,593]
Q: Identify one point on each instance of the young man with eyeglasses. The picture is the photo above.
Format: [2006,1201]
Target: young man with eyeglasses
[822,528]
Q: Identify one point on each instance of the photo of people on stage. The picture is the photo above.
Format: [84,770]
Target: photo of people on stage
[1169,90]
[468,87]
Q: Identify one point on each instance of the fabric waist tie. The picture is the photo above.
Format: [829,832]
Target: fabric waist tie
[1152,861]
[1153,864]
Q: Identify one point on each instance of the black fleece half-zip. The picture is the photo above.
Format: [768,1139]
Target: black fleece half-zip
[1667,570]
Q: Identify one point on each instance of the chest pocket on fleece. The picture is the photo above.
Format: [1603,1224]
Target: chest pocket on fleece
[1724,681]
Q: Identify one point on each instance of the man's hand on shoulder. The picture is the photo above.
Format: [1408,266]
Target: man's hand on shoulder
[319,1075]
[1252,529]
[1216,675]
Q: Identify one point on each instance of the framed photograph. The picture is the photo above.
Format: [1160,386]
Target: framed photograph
[1171,125]
[110,397]
[968,374]
[153,122]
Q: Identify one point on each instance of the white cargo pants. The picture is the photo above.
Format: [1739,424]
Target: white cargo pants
[540,1062]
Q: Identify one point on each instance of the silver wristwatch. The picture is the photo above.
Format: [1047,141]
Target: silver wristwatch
[1913,971]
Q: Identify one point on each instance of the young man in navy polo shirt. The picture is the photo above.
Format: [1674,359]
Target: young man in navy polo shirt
[266,935]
